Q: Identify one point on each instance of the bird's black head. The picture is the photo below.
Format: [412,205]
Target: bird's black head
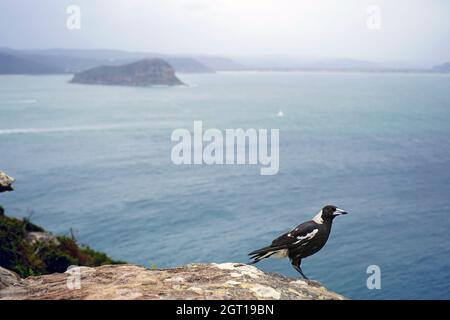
[329,212]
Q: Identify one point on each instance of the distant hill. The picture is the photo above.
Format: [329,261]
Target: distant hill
[293,63]
[76,60]
[11,64]
[442,68]
[307,63]
[69,61]
[188,65]
[220,63]
[147,72]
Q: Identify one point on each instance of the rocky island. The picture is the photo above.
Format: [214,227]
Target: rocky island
[143,73]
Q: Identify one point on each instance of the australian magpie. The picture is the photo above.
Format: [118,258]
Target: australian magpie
[302,241]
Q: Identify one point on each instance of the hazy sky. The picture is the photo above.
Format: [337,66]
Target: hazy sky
[411,30]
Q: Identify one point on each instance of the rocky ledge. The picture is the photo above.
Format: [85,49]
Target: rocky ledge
[147,72]
[195,281]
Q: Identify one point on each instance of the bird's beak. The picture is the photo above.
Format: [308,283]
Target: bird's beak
[338,212]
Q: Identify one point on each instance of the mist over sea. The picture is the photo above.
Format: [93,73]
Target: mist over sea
[97,159]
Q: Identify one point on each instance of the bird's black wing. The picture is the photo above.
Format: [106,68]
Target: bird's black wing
[300,235]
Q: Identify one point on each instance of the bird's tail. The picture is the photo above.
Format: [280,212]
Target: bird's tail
[263,253]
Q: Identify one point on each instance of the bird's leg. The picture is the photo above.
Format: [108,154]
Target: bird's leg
[296,265]
[299,269]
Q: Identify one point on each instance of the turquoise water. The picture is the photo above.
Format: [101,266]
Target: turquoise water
[97,159]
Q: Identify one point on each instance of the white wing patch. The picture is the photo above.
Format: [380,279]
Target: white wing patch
[308,236]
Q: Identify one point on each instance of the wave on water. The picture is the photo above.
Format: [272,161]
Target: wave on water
[21,101]
[70,129]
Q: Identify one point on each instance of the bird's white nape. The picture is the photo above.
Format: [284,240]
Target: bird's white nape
[318,218]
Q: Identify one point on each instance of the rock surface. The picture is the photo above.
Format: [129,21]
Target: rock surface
[5,182]
[8,278]
[147,72]
[196,281]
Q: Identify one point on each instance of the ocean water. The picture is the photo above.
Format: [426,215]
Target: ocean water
[97,159]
